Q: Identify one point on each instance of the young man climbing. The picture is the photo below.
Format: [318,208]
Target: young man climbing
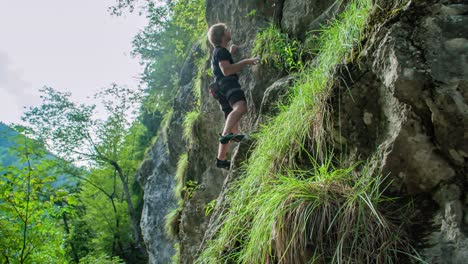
[230,96]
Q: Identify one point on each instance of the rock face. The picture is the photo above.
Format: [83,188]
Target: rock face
[156,174]
[301,16]
[409,98]
[405,98]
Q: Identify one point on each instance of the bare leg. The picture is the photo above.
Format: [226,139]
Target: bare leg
[238,110]
[232,126]
[223,148]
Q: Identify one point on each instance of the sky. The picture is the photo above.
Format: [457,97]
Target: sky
[70,45]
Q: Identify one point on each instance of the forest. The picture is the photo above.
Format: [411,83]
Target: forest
[68,192]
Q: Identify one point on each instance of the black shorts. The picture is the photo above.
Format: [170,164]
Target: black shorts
[231,94]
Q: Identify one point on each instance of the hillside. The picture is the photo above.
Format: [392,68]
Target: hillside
[6,133]
[9,155]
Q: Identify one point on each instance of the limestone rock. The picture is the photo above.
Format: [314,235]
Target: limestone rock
[408,98]
[301,16]
[156,175]
[273,96]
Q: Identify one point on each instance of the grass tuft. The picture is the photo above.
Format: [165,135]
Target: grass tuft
[172,223]
[182,166]
[191,123]
[328,215]
[166,121]
[278,50]
[176,257]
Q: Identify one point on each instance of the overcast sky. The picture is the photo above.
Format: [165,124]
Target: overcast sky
[70,45]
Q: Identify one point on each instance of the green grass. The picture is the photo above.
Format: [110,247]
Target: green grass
[209,207]
[182,166]
[202,59]
[172,223]
[336,210]
[277,50]
[281,140]
[166,122]
[275,208]
[175,258]
[327,207]
[173,217]
[191,123]
[202,70]
[197,86]
[164,127]
[251,13]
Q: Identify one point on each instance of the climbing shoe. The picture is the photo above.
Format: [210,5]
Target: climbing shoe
[234,137]
[223,164]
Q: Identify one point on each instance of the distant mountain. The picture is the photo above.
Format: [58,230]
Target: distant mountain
[9,155]
[6,144]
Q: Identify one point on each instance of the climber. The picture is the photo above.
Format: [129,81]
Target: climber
[230,96]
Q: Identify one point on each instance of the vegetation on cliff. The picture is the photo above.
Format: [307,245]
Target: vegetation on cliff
[292,205]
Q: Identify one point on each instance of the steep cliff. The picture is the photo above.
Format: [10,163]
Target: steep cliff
[396,102]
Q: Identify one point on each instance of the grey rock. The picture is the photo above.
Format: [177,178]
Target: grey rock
[412,83]
[156,175]
[301,16]
[273,97]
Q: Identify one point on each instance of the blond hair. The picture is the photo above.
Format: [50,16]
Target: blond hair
[216,33]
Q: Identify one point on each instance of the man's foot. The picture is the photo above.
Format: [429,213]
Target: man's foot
[223,164]
[234,137]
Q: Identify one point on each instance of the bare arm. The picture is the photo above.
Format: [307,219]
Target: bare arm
[230,69]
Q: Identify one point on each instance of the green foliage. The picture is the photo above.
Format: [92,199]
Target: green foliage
[191,123]
[277,50]
[173,217]
[100,259]
[60,120]
[106,212]
[78,243]
[30,209]
[112,151]
[190,188]
[252,13]
[209,207]
[197,87]
[163,45]
[151,119]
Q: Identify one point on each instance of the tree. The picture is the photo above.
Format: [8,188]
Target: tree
[30,206]
[72,132]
